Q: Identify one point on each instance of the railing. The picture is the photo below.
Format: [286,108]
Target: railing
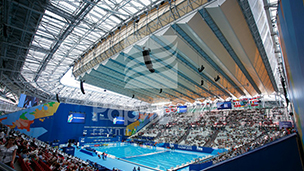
[8,108]
[5,167]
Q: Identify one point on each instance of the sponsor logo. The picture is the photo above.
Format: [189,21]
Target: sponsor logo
[94,116]
[102,116]
[69,149]
[199,148]
[184,147]
[70,118]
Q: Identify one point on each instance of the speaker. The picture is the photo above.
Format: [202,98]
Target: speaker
[201,69]
[57,97]
[217,78]
[3,63]
[4,31]
[147,59]
[81,87]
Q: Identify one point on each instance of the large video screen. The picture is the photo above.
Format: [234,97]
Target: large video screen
[224,105]
[119,120]
[181,109]
[76,118]
[27,101]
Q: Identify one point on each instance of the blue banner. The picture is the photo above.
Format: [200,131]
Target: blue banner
[76,118]
[100,139]
[181,109]
[285,124]
[186,147]
[69,150]
[55,144]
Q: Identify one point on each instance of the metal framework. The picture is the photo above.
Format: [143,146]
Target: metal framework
[42,40]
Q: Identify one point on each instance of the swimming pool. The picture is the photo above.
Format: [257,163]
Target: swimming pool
[121,150]
[153,157]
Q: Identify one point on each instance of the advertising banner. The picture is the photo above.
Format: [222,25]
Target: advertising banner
[186,147]
[69,150]
[224,105]
[285,124]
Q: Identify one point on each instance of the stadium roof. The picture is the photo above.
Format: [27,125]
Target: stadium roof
[42,40]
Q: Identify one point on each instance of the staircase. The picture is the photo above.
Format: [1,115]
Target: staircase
[156,119]
[184,136]
[208,143]
[158,135]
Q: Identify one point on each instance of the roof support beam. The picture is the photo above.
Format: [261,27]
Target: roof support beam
[257,38]
[200,51]
[227,46]
[78,18]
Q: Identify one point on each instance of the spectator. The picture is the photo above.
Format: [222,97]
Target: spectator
[8,152]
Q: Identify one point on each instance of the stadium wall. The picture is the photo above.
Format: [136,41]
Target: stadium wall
[60,121]
[282,154]
[290,26]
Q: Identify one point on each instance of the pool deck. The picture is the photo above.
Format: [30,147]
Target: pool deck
[125,165]
[109,162]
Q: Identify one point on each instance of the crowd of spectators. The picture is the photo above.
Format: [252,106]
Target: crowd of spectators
[170,128]
[31,152]
[269,135]
[219,129]
[238,131]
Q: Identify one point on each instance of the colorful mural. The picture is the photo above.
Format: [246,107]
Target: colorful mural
[22,120]
[50,121]
[143,119]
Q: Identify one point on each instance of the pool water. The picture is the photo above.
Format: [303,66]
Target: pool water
[121,150]
[153,157]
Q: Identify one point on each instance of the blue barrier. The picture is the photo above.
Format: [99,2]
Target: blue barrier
[91,153]
[98,166]
[190,148]
[193,167]
[282,154]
